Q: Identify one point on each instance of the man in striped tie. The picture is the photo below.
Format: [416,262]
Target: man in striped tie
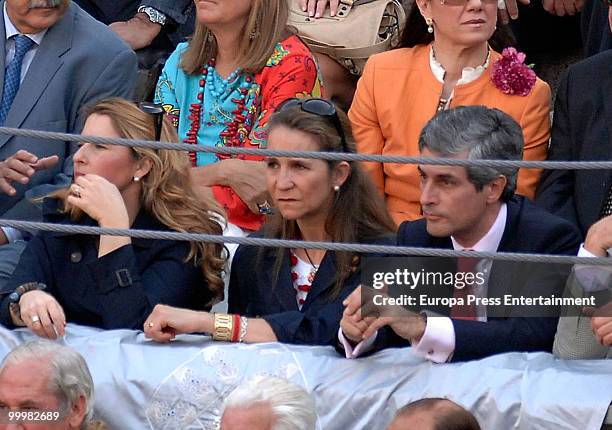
[57,60]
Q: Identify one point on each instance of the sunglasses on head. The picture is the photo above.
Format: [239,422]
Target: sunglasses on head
[157,111]
[320,107]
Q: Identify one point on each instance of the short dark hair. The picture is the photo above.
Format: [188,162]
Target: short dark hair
[487,134]
[448,415]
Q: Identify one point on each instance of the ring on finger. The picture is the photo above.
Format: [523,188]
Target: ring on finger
[35,319]
[76,190]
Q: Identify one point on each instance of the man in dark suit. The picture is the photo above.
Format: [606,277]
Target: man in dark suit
[582,131]
[57,60]
[142,23]
[475,209]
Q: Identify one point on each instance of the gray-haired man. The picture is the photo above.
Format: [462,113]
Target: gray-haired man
[268,403]
[51,381]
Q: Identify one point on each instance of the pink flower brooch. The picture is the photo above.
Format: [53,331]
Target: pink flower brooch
[511,75]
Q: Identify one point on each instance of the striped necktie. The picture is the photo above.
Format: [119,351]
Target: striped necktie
[12,74]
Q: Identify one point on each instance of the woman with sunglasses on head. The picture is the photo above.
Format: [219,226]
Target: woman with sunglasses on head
[295,296]
[221,87]
[444,61]
[114,282]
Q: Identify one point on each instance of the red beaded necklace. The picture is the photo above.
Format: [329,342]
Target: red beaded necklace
[231,133]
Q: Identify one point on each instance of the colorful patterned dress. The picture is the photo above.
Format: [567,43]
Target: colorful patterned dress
[291,71]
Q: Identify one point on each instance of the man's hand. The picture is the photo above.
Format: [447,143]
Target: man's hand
[511,11]
[562,7]
[316,8]
[245,178]
[20,168]
[599,237]
[410,327]
[138,32]
[601,323]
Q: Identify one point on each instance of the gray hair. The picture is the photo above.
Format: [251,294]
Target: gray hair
[486,134]
[293,408]
[69,375]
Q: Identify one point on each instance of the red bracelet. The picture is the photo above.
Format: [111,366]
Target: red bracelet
[236,328]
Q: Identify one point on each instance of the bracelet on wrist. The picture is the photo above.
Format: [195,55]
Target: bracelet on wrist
[16,295]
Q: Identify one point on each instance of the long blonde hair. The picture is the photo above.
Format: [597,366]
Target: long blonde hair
[167,193]
[265,27]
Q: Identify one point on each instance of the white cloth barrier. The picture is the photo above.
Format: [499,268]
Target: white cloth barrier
[143,385]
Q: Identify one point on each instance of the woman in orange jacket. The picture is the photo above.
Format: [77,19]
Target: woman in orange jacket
[444,61]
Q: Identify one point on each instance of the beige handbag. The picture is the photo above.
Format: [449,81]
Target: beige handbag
[360,28]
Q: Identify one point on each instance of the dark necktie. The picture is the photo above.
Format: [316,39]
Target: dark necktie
[607,207]
[12,74]
[467,311]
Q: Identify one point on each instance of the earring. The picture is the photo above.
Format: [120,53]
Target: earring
[210,37]
[136,179]
[254,33]
[336,188]
[429,23]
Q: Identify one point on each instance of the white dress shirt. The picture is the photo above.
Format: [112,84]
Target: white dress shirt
[438,341]
[10,30]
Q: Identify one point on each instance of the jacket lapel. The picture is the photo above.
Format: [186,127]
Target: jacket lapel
[286,296]
[607,151]
[3,56]
[324,279]
[45,65]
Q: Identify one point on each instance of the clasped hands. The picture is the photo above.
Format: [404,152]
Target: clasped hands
[360,319]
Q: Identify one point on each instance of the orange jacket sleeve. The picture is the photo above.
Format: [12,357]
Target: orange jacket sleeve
[365,125]
[536,132]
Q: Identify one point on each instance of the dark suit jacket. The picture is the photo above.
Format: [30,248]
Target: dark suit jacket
[180,12]
[529,229]
[78,62]
[252,293]
[116,291]
[582,131]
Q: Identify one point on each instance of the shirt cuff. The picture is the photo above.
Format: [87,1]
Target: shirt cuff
[12,234]
[438,341]
[583,252]
[361,348]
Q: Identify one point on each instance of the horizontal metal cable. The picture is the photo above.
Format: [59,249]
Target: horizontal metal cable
[280,243]
[331,156]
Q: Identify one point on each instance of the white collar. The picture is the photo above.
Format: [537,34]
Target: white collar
[11,30]
[468,74]
[490,241]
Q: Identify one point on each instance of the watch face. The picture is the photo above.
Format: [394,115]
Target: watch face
[14,297]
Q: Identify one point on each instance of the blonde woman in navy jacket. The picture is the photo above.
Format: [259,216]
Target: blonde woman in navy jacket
[114,282]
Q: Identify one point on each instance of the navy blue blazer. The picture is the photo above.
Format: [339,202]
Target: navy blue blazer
[117,291]
[252,293]
[529,229]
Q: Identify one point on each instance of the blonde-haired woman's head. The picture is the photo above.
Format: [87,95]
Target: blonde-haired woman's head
[157,178]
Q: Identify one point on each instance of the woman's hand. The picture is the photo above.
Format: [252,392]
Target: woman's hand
[101,200]
[42,314]
[316,8]
[165,322]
